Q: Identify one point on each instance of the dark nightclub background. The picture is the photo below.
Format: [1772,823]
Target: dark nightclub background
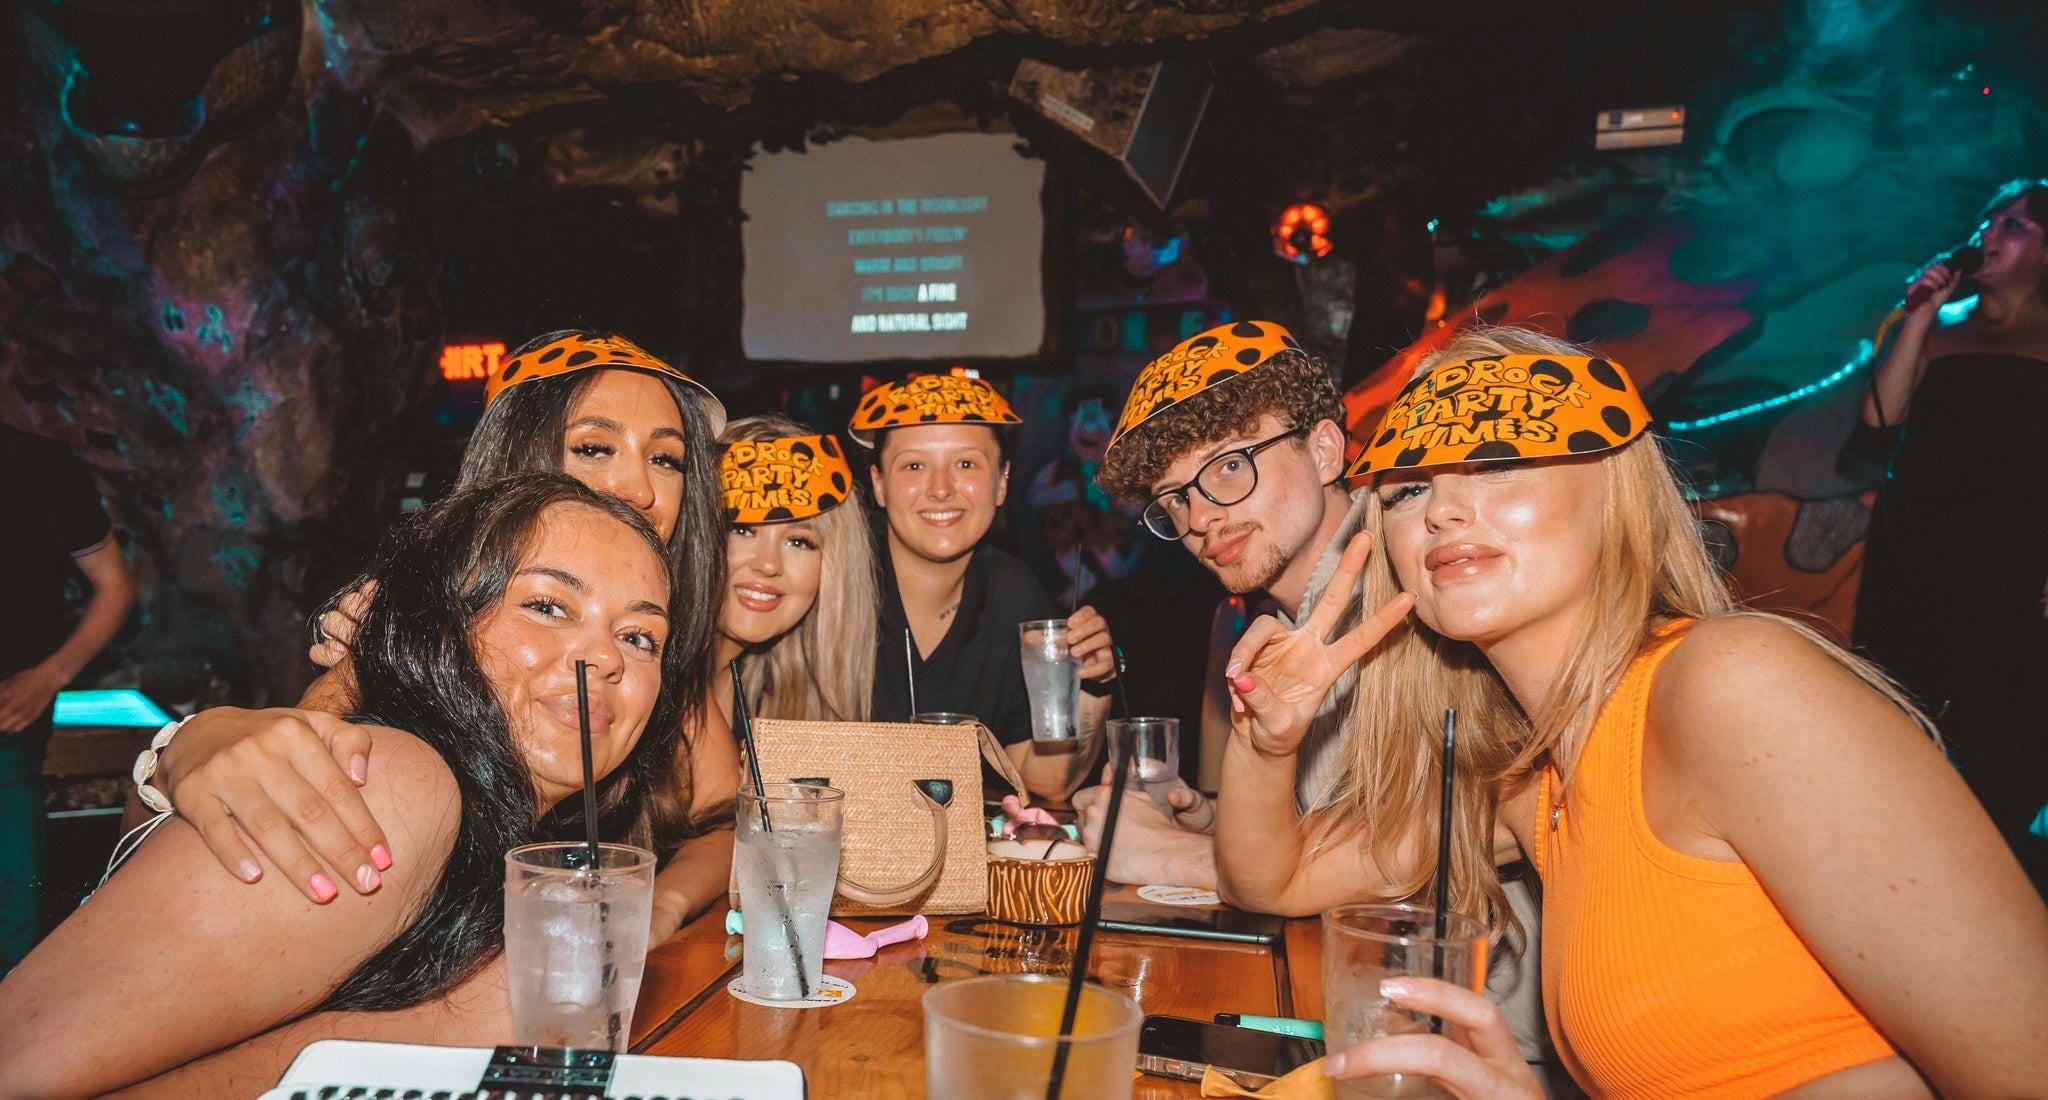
[236,237]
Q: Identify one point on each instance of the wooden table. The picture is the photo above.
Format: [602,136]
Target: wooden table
[873,1045]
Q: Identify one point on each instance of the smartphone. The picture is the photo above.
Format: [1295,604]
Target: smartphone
[1202,924]
[1173,1046]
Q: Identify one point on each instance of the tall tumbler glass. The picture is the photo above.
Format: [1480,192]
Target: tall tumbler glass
[787,854]
[1156,754]
[1052,679]
[576,942]
[1364,944]
[994,1037]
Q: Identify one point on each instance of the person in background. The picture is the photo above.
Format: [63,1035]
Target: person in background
[1091,539]
[598,408]
[55,524]
[1234,443]
[1963,381]
[950,602]
[1760,877]
[486,603]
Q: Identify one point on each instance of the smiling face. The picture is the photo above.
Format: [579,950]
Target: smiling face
[587,588]
[2015,255]
[1251,543]
[940,485]
[772,572]
[1497,552]
[624,436]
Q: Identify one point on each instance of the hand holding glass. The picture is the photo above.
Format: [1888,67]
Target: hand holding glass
[1366,944]
[1155,744]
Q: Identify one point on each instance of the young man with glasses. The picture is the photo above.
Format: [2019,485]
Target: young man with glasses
[1235,440]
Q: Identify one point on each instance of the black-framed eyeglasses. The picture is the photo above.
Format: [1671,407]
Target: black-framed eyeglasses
[1223,480]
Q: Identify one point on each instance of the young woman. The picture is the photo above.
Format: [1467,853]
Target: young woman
[798,612]
[598,408]
[1961,382]
[1760,875]
[465,672]
[800,570]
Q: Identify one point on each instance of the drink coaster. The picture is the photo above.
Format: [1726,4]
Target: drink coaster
[1179,895]
[830,991]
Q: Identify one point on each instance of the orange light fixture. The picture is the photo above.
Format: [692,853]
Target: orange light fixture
[1301,234]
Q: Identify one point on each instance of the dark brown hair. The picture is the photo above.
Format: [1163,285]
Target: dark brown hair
[1294,386]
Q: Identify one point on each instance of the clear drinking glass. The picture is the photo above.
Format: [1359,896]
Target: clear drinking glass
[576,942]
[1364,944]
[786,852]
[1156,751]
[1052,679]
[993,1038]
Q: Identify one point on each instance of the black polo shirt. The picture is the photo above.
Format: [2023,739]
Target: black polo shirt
[51,512]
[975,669]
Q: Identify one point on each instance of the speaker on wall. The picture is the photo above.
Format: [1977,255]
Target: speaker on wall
[1144,117]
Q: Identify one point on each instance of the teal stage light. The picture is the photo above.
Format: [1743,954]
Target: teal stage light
[108,707]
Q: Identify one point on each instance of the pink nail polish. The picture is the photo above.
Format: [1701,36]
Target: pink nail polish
[323,888]
[1244,683]
[381,856]
[248,870]
[367,877]
[358,769]
[1395,987]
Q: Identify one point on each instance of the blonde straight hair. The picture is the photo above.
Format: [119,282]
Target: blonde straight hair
[1653,568]
[822,669]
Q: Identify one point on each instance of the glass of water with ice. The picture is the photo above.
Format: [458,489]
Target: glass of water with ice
[786,853]
[1052,679]
[576,942]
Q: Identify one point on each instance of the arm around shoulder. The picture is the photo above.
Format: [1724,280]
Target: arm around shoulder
[172,960]
[1866,840]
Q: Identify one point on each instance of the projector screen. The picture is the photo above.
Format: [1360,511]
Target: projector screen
[919,248]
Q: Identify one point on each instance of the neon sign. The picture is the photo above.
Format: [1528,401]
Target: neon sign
[470,362]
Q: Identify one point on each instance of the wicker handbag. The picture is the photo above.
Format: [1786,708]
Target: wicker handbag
[914,839]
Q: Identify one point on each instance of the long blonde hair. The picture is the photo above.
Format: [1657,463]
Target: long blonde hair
[1653,568]
[822,669]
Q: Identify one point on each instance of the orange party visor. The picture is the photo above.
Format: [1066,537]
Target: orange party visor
[928,399]
[1516,406]
[778,480]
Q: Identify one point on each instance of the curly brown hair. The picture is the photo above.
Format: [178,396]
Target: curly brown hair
[1292,385]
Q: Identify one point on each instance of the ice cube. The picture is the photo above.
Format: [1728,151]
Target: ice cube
[575,956]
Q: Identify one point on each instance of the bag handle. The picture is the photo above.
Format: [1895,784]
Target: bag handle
[936,794]
[997,757]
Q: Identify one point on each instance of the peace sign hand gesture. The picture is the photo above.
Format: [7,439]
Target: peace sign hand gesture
[1278,677]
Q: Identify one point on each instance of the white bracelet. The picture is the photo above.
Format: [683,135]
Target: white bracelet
[145,767]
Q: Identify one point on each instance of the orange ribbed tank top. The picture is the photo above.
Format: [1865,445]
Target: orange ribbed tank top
[1665,974]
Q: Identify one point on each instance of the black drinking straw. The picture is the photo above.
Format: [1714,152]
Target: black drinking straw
[1090,916]
[745,722]
[909,671]
[1443,851]
[589,781]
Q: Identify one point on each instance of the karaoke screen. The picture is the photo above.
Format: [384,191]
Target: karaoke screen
[920,248]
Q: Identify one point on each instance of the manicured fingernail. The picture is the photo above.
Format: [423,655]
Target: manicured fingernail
[1243,683]
[358,769]
[1395,987]
[248,870]
[367,877]
[381,856]
[1235,668]
[323,888]
[1334,1064]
